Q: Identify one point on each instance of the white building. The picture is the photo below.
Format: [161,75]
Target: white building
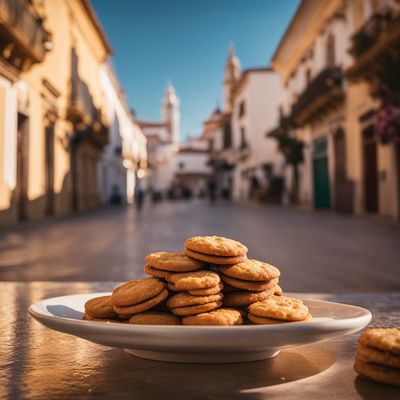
[125,156]
[255,111]
[163,143]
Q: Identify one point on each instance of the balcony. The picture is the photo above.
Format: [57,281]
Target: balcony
[380,35]
[324,92]
[23,39]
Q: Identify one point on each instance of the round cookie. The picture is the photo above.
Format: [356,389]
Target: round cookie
[184,299]
[173,261]
[100,307]
[219,260]
[171,286]
[143,306]
[134,292]
[264,321]
[157,273]
[245,298]
[222,316]
[372,354]
[216,246]
[251,270]
[88,317]
[248,285]
[197,309]
[377,373]
[206,292]
[278,291]
[280,307]
[155,318]
[382,338]
[194,280]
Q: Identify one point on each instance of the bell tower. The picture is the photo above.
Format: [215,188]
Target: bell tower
[232,75]
[170,113]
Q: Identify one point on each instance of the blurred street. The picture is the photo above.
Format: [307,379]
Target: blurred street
[316,252]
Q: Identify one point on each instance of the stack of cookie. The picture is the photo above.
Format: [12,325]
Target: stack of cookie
[378,355]
[100,309]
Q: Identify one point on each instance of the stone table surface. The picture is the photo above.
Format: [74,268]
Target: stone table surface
[38,363]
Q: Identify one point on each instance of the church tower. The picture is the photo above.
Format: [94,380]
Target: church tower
[232,75]
[170,113]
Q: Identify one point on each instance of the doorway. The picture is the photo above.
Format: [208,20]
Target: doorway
[370,164]
[49,168]
[322,196]
[21,190]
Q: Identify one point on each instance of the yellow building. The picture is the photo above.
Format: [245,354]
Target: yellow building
[52,108]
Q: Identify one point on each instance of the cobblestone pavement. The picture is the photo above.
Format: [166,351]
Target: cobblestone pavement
[316,252]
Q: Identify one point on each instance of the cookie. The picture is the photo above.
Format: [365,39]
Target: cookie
[184,299]
[143,306]
[197,309]
[372,354]
[264,321]
[222,316]
[248,285]
[251,270]
[88,317]
[173,261]
[154,318]
[171,286]
[382,338]
[157,273]
[278,291]
[194,280]
[219,260]
[216,246]
[134,292]
[280,307]
[206,292]
[100,307]
[245,298]
[377,373]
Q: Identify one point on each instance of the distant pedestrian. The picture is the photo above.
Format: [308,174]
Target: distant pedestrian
[212,188]
[139,195]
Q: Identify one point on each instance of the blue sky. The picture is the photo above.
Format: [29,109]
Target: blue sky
[187,41]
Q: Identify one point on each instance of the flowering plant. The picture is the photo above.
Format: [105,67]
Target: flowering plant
[387,123]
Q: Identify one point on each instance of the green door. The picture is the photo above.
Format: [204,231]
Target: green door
[322,197]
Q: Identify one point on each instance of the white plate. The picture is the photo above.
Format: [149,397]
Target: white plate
[201,343]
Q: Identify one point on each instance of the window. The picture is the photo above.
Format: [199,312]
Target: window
[242,109]
[227,134]
[330,51]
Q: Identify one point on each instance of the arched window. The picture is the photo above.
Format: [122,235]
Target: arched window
[330,51]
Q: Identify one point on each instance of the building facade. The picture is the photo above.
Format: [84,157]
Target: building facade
[331,110]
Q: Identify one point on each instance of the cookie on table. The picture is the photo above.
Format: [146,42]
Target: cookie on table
[216,246]
[154,318]
[377,356]
[376,372]
[194,280]
[136,291]
[271,321]
[243,298]
[278,291]
[184,299]
[218,260]
[173,262]
[386,339]
[222,316]
[280,307]
[100,307]
[196,309]
[206,292]
[157,273]
[88,317]
[251,270]
[256,286]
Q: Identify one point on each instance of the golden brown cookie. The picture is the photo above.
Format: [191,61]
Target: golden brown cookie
[157,273]
[171,286]
[251,270]
[194,280]
[134,292]
[197,309]
[88,317]
[244,298]
[278,291]
[248,285]
[185,299]
[100,307]
[155,318]
[382,338]
[280,307]
[143,306]
[265,321]
[218,260]
[207,292]
[375,355]
[377,373]
[222,316]
[173,261]
[216,246]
